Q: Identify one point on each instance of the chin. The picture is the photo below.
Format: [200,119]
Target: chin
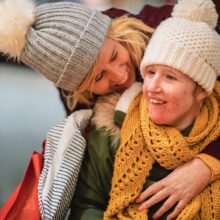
[131,79]
[130,82]
[158,120]
[124,86]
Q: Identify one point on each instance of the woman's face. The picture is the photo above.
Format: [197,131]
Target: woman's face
[173,98]
[114,72]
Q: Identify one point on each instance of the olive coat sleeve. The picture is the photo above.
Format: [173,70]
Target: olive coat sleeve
[92,193]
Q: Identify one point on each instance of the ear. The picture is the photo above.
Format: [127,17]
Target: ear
[200,93]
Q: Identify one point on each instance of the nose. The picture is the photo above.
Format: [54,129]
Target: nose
[154,85]
[116,74]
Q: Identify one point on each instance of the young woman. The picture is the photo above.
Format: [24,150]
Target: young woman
[80,50]
[163,130]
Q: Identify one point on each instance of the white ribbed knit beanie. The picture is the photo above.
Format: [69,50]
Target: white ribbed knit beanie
[188,42]
[60,40]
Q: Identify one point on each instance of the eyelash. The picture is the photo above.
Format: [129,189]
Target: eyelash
[170,77]
[114,56]
[99,77]
[150,72]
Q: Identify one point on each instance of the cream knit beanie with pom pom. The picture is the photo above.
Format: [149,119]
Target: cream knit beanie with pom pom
[188,42]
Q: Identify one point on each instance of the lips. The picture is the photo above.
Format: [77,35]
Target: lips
[156,101]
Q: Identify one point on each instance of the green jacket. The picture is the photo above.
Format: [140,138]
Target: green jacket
[92,192]
[94,184]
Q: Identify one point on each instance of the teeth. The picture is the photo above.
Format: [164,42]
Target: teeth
[155,101]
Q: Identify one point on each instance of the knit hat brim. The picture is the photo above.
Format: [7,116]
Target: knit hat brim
[185,46]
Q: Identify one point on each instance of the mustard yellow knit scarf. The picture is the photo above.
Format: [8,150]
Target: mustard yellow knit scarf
[143,142]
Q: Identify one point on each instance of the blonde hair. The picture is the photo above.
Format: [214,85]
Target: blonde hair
[134,35]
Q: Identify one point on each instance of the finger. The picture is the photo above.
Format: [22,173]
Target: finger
[180,206]
[151,190]
[168,204]
[161,195]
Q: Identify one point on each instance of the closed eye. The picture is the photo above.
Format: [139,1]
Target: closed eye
[170,77]
[114,55]
[99,76]
[150,73]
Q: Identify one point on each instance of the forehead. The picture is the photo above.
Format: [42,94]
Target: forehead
[164,69]
[107,47]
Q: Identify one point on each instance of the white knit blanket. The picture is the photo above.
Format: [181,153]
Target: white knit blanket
[65,146]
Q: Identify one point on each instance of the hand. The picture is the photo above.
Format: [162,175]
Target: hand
[179,187]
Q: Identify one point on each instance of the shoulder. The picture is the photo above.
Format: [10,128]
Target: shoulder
[99,145]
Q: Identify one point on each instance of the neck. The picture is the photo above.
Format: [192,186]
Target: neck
[184,126]
[187,121]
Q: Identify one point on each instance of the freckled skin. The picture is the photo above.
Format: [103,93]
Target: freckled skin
[172,97]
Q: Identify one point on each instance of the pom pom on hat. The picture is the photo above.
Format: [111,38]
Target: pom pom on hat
[16,18]
[197,10]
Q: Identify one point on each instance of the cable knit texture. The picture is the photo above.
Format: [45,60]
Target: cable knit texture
[143,142]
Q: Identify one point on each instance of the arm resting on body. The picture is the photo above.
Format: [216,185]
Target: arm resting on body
[184,183]
[92,192]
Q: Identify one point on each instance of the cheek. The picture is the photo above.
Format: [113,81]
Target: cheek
[144,87]
[178,100]
[100,88]
[125,57]
[182,102]
[175,100]
[184,97]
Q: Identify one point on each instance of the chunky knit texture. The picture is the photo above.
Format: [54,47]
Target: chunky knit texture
[143,142]
[64,42]
[188,42]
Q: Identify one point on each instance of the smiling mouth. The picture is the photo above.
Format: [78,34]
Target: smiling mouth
[156,101]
